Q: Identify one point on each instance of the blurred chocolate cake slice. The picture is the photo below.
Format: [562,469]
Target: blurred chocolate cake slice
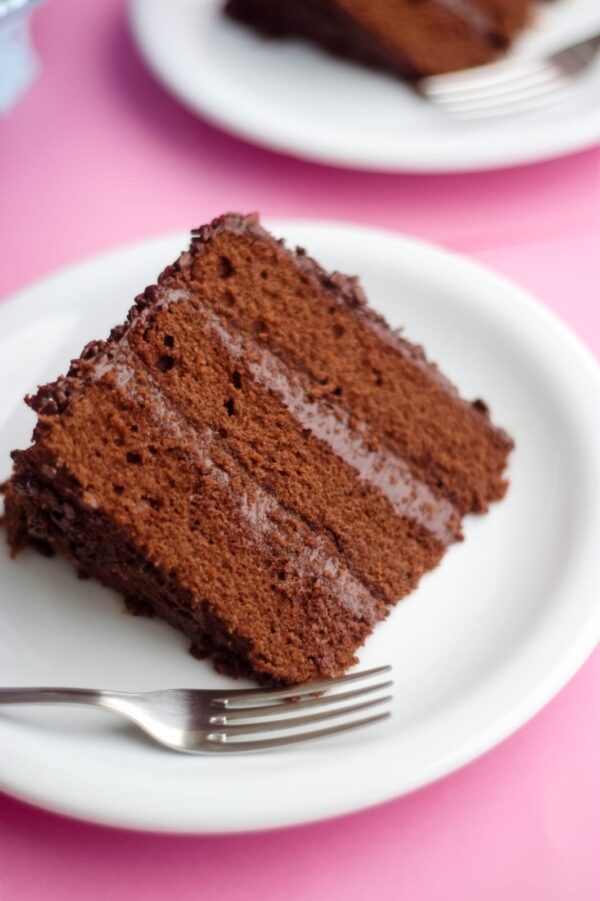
[410,38]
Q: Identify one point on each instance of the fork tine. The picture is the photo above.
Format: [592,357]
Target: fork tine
[495,75]
[242,696]
[266,726]
[222,745]
[230,714]
[488,93]
[539,101]
[509,99]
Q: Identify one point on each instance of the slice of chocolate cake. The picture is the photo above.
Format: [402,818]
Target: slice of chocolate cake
[256,457]
[410,38]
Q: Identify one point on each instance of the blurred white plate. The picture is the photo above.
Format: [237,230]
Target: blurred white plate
[486,640]
[295,98]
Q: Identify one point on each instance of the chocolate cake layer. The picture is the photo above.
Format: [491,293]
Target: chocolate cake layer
[256,457]
[409,38]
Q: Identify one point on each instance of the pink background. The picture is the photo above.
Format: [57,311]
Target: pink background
[97,155]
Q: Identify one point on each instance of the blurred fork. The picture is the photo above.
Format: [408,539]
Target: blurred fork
[200,721]
[511,86]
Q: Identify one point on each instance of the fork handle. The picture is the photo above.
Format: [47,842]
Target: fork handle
[87,696]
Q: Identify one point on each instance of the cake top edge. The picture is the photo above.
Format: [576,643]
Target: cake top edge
[53,398]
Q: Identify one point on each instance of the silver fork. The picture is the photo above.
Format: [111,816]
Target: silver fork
[511,86]
[200,721]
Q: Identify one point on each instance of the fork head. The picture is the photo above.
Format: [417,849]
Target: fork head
[198,721]
[511,86]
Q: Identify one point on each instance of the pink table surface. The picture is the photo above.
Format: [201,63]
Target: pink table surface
[97,155]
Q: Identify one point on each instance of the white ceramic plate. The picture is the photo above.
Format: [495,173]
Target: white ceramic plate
[486,640]
[297,99]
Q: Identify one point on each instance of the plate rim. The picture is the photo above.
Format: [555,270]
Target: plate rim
[542,144]
[544,690]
